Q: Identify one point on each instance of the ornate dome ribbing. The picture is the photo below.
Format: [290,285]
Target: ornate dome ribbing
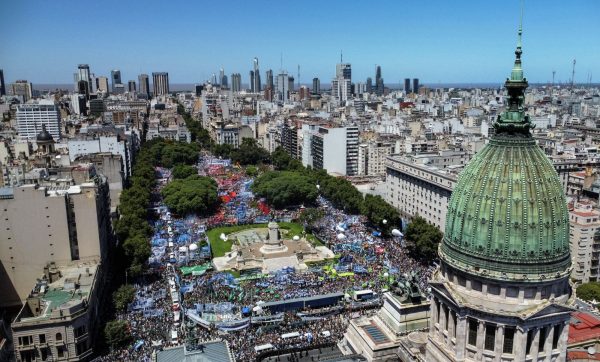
[507,217]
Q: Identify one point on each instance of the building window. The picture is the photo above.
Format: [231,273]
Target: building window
[42,338]
[61,351]
[490,336]
[556,336]
[472,332]
[509,340]
[58,337]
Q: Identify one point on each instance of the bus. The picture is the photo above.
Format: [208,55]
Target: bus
[360,295]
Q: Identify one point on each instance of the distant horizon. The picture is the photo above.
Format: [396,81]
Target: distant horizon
[182,87]
[445,42]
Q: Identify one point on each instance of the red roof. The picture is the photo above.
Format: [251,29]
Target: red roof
[582,356]
[583,327]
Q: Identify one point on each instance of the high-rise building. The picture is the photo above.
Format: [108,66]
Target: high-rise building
[115,76]
[303,92]
[341,89]
[79,229]
[213,79]
[291,83]
[32,117]
[222,78]
[415,88]
[502,290]
[198,89]
[83,80]
[236,82]
[23,89]
[343,71]
[160,83]
[102,84]
[316,86]
[144,85]
[379,87]
[252,81]
[255,77]
[334,149]
[131,86]
[282,93]
[406,85]
[224,82]
[270,80]
[369,85]
[2,84]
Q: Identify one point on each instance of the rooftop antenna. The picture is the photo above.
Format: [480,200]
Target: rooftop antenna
[281,62]
[341,56]
[573,74]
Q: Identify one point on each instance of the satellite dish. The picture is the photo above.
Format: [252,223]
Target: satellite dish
[591,350]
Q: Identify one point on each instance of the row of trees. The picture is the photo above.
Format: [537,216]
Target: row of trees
[133,229]
[339,191]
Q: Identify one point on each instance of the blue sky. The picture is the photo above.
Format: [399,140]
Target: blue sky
[436,41]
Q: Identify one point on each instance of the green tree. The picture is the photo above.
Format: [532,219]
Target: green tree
[183,171]
[284,189]
[123,296]
[117,333]
[252,171]
[589,291]
[310,215]
[250,153]
[423,239]
[282,161]
[377,210]
[194,194]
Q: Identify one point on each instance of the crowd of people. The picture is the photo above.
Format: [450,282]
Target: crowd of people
[366,261]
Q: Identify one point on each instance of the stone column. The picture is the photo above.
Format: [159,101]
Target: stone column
[520,344]
[562,342]
[442,323]
[461,337]
[533,352]
[499,343]
[450,328]
[434,313]
[480,340]
[548,344]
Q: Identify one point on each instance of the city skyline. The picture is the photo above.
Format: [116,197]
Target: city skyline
[406,40]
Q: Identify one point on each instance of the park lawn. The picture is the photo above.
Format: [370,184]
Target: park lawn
[220,247]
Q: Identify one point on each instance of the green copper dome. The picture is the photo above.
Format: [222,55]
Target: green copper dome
[507,217]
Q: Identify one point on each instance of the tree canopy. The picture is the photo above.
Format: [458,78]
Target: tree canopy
[195,194]
[117,333]
[183,171]
[589,291]
[283,189]
[422,239]
[377,210]
[123,296]
[250,153]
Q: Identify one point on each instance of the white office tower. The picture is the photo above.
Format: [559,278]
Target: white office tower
[341,89]
[283,88]
[331,149]
[32,116]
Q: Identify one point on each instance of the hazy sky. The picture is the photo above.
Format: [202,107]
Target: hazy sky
[436,41]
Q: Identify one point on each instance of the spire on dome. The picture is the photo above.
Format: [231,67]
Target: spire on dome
[514,120]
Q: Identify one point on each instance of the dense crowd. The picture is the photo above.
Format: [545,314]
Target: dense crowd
[371,260]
